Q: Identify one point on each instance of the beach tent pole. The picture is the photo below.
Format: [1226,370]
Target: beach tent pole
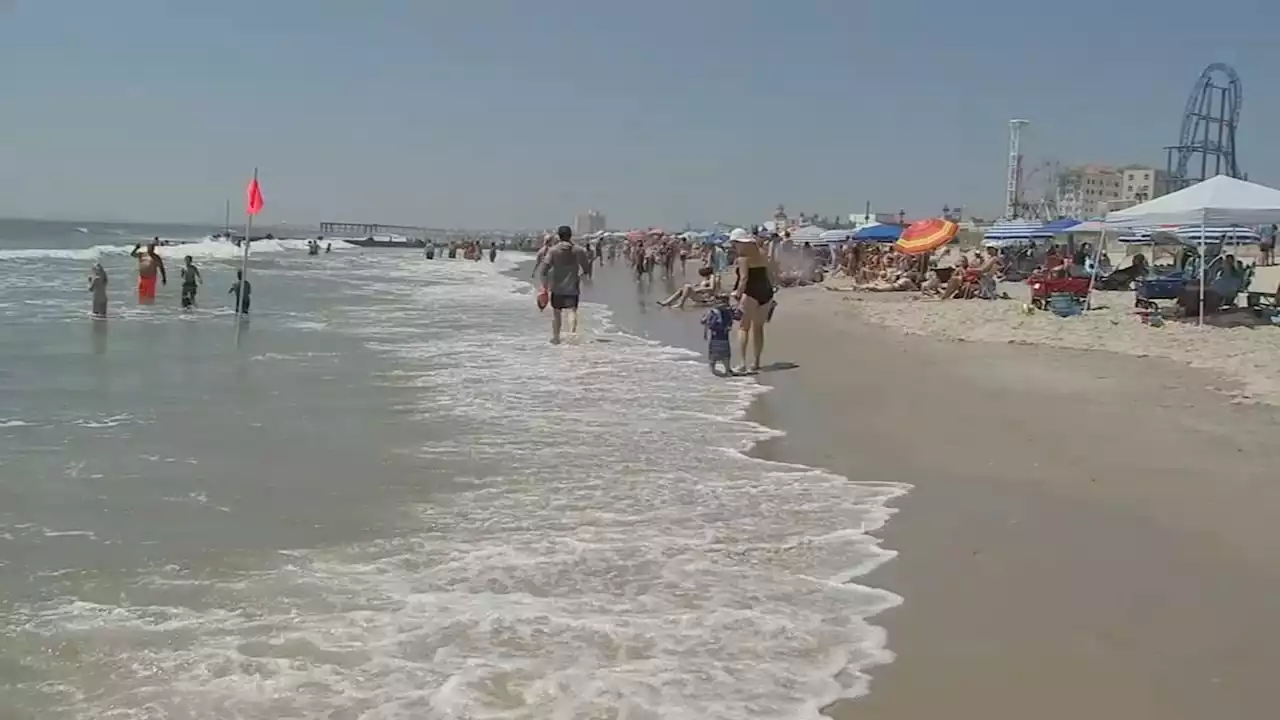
[1202,270]
[1093,275]
[244,265]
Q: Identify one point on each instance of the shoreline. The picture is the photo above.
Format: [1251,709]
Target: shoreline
[1087,534]
[636,312]
[1064,551]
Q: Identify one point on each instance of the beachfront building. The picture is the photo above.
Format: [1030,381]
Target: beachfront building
[589,222]
[1084,190]
[1141,184]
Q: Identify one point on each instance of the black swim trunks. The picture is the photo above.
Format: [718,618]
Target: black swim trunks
[564,302]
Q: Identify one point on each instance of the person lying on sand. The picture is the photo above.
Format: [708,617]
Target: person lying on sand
[893,281]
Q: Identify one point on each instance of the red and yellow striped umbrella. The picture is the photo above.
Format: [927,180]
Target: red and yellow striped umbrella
[926,236]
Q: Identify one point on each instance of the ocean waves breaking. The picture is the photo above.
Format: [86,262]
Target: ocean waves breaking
[605,549]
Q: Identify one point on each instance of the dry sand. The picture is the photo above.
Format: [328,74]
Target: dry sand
[1090,535]
[1245,353]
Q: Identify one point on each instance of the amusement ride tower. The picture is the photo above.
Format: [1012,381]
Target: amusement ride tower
[1013,187]
[1207,144]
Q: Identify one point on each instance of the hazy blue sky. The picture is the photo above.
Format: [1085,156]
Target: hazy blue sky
[523,112]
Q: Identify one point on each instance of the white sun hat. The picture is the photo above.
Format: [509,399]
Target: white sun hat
[740,235]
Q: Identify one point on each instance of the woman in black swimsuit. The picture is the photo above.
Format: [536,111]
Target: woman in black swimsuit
[753,288]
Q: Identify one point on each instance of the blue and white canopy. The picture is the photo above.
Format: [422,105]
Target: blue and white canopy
[1006,233]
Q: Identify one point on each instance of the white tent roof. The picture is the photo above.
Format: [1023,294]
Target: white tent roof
[836,235]
[808,233]
[1220,200]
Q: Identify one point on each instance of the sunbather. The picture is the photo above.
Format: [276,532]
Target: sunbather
[704,292]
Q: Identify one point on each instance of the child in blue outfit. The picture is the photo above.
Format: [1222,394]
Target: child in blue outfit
[717,323]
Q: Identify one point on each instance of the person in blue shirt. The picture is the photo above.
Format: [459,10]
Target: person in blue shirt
[717,324]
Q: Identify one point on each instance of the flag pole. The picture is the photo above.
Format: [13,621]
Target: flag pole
[244,258]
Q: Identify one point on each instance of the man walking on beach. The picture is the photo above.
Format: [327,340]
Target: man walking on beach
[562,270]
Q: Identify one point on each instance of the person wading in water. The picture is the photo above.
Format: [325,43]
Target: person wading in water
[562,270]
[98,287]
[149,263]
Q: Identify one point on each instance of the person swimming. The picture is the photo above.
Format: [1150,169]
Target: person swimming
[191,281]
[149,264]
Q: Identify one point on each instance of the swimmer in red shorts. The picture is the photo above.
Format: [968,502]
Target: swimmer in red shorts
[149,263]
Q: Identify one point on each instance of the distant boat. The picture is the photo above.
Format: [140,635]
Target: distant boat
[388,241]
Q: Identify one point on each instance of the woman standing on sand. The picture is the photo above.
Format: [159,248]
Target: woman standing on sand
[753,288]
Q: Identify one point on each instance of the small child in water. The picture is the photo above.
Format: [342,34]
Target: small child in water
[717,323]
[98,286]
[191,281]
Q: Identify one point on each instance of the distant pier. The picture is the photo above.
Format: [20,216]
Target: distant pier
[367,229]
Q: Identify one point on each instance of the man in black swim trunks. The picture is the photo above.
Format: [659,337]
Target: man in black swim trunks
[562,270]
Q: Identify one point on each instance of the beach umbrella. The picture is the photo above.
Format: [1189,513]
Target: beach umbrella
[878,232]
[836,236]
[1195,234]
[1064,225]
[926,236]
[1007,233]
[1152,236]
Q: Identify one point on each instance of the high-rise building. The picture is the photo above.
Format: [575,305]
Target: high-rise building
[589,222]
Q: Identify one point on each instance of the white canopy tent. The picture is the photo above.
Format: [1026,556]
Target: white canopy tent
[808,233]
[1218,201]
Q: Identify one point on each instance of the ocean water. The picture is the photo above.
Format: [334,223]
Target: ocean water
[388,496]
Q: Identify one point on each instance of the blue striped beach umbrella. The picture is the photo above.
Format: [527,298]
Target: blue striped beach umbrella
[879,232]
[1138,235]
[1006,233]
[1061,226]
[1194,235]
[1191,235]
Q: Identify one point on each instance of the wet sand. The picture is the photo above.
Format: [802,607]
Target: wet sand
[1090,534]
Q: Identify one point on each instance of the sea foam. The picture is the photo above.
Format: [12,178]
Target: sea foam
[610,553]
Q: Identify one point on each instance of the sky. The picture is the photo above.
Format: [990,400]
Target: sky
[522,113]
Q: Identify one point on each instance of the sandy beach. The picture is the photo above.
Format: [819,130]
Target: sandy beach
[1241,353]
[1090,534]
